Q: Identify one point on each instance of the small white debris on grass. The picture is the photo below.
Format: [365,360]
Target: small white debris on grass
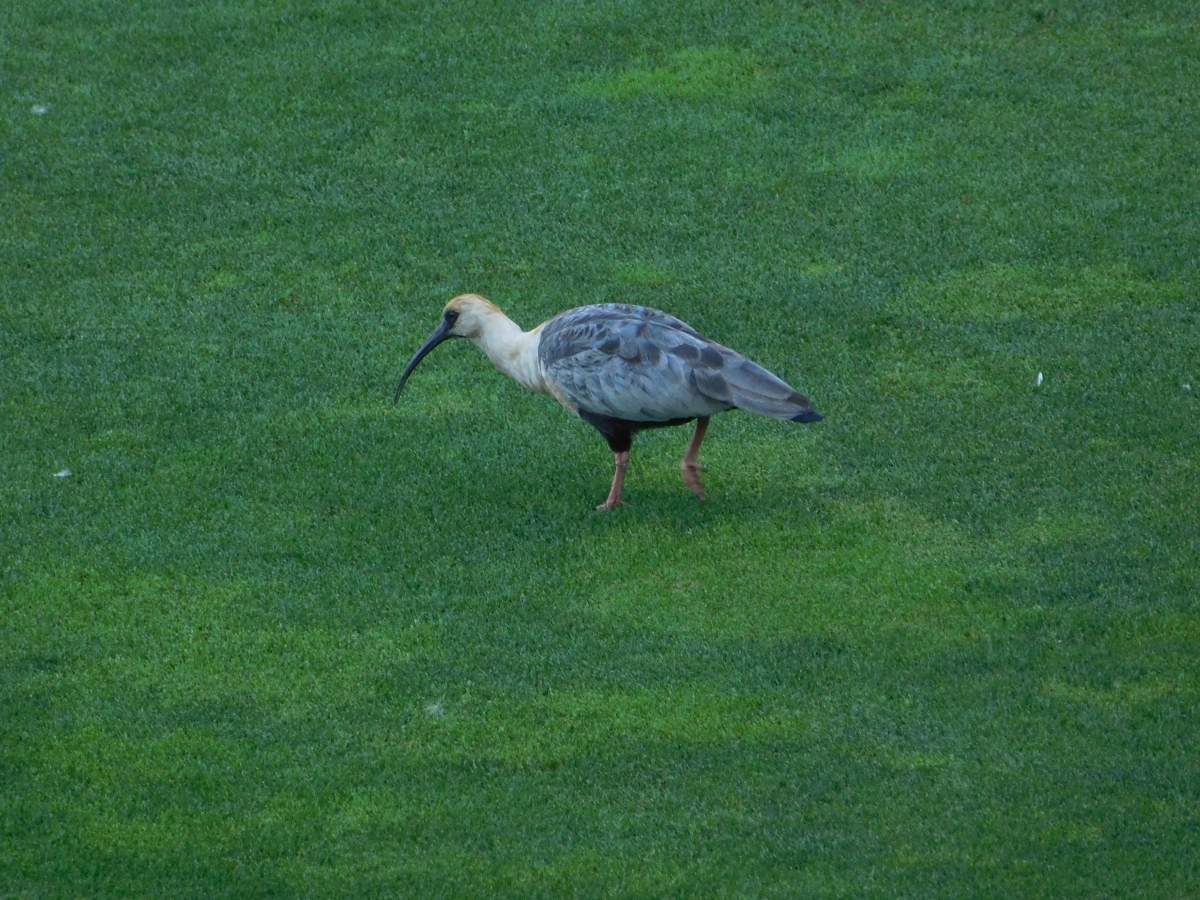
[1186,386]
[1039,384]
[434,709]
[38,110]
[65,473]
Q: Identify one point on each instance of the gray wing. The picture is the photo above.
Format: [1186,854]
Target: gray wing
[641,365]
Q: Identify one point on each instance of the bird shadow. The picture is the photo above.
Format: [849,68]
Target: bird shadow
[659,498]
[739,485]
[664,504]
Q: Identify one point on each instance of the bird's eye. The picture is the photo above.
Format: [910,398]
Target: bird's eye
[452,316]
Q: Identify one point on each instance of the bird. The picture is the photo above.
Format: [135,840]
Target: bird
[621,369]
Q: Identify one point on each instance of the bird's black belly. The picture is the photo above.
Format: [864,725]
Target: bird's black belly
[619,432]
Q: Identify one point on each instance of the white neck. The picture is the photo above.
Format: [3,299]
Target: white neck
[511,350]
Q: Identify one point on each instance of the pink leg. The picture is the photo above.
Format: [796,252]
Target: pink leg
[689,467]
[614,496]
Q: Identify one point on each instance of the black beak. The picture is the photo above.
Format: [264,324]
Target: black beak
[443,333]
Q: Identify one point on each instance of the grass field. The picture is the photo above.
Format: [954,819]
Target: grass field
[273,636]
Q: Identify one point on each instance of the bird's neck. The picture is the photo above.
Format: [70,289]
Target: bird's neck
[512,351]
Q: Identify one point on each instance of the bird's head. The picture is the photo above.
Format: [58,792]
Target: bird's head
[470,313]
[464,316]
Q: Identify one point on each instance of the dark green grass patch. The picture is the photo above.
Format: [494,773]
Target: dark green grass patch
[272,636]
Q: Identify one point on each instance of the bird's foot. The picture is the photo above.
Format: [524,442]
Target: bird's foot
[610,504]
[691,477]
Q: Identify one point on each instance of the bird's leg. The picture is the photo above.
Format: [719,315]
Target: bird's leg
[614,496]
[689,467]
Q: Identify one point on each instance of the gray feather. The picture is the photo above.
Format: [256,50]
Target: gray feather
[756,390]
[711,384]
[642,365]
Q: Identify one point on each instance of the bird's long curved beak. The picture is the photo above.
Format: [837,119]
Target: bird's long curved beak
[443,333]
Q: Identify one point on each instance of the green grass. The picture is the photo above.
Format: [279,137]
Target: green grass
[276,637]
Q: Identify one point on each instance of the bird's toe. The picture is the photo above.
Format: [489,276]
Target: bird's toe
[692,480]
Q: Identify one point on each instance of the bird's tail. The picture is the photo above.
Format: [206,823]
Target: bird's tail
[750,387]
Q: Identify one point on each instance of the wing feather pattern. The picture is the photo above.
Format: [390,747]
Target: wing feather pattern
[641,365]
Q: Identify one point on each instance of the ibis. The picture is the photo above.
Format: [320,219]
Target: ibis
[621,369]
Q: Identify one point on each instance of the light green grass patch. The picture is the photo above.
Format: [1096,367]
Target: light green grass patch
[643,274]
[1140,693]
[861,572]
[921,761]
[1156,31]
[172,637]
[479,108]
[817,269]
[872,163]
[941,379]
[1005,292]
[569,725]
[693,73]
[1048,530]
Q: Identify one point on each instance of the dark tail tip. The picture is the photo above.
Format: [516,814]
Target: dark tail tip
[810,416]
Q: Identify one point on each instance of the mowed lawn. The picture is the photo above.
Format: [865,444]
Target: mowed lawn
[273,636]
